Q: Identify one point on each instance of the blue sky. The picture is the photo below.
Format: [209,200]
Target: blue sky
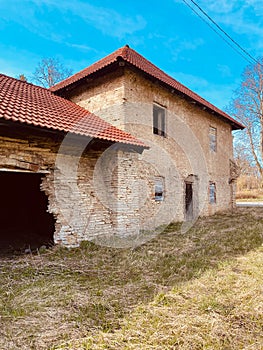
[166,32]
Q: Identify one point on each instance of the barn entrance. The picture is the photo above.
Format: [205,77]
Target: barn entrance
[24,220]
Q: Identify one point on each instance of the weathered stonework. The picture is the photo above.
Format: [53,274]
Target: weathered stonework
[106,192]
[85,197]
[184,153]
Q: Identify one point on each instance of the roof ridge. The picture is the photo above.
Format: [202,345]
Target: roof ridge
[120,52]
[171,78]
[125,49]
[132,57]
[190,92]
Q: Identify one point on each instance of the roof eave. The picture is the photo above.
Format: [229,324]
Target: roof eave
[114,65]
[89,77]
[62,133]
[235,125]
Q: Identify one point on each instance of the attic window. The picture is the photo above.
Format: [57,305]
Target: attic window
[159,189]
[158,120]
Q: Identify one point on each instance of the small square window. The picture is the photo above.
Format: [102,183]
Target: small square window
[212,139]
[159,189]
[212,193]
[158,120]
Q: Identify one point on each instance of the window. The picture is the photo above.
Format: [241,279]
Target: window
[158,120]
[212,193]
[159,189]
[212,139]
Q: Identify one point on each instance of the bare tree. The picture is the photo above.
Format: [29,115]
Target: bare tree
[50,71]
[247,107]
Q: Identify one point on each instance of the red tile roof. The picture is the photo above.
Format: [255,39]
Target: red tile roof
[33,105]
[134,58]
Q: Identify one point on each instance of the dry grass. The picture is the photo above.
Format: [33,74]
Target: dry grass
[249,195]
[198,290]
[223,309]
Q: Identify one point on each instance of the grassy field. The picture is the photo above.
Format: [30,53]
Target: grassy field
[197,290]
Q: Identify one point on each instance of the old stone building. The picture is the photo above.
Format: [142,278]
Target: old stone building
[112,154]
[188,169]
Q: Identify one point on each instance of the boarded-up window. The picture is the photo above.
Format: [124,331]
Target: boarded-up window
[212,193]
[158,120]
[159,189]
[212,139]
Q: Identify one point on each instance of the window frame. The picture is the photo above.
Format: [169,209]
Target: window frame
[159,120]
[212,192]
[212,139]
[159,189]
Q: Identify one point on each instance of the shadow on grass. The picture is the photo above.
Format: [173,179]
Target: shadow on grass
[93,287]
[125,278]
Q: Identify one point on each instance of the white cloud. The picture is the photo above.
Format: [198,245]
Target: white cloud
[236,17]
[108,21]
[25,14]
[241,16]
[221,6]
[177,46]
[256,5]
[81,47]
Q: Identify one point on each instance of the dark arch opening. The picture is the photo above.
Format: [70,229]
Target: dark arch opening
[24,220]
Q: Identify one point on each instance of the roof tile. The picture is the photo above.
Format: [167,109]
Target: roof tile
[34,105]
[134,58]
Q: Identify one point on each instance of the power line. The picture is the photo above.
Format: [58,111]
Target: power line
[224,32]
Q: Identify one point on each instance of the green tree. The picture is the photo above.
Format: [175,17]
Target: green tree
[49,72]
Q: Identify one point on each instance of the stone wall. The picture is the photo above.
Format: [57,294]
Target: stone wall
[182,153]
[188,128]
[106,97]
[85,197]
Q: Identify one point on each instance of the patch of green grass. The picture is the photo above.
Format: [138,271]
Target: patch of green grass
[103,316]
